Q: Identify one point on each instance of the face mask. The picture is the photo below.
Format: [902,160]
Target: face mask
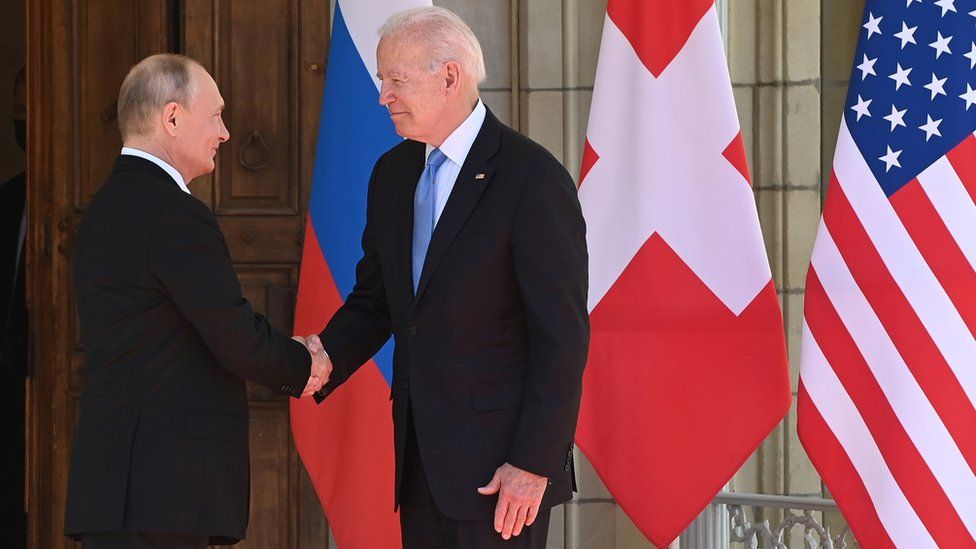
[20,133]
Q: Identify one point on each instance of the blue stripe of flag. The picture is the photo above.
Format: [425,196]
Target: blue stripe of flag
[354,131]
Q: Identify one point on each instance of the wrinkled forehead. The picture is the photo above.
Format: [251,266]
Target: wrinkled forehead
[401,53]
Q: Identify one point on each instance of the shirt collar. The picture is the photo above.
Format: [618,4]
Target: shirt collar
[458,144]
[159,162]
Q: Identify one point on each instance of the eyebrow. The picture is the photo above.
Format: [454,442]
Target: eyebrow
[393,74]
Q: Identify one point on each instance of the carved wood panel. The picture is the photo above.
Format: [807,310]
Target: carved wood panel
[263,239]
[271,291]
[111,36]
[272,469]
[251,50]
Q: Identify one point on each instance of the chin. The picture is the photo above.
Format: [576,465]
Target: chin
[204,169]
[403,129]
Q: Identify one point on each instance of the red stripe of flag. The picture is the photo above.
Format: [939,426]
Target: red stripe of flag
[831,460]
[356,479]
[900,320]
[907,465]
[963,160]
[939,248]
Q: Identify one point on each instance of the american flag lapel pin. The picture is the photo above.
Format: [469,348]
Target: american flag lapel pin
[479,176]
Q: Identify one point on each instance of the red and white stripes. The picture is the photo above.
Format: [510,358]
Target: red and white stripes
[888,373]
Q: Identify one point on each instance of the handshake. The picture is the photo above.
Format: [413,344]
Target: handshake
[321,365]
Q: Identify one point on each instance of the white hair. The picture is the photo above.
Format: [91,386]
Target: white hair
[447,38]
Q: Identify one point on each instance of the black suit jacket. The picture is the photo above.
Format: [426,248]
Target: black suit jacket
[162,439]
[490,353]
[13,360]
[13,309]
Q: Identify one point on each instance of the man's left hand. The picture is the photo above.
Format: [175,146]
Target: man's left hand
[519,496]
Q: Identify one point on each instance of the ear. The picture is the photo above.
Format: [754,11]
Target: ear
[452,77]
[171,112]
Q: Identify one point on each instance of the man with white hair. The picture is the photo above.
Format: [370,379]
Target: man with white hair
[474,258]
[160,454]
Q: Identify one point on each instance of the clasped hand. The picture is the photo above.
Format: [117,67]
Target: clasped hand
[321,365]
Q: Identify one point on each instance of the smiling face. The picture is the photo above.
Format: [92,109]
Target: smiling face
[198,128]
[420,102]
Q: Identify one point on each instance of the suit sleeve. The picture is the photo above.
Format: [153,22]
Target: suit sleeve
[362,324]
[550,262]
[189,258]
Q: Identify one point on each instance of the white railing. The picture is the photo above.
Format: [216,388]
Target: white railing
[726,522]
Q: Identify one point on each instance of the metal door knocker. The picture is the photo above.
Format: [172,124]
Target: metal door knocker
[264,152]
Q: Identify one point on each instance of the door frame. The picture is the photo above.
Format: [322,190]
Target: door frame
[49,60]
[55,162]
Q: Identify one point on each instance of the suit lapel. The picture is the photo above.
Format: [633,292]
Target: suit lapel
[471,182]
[405,188]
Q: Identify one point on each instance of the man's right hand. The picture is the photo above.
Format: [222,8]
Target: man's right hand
[321,365]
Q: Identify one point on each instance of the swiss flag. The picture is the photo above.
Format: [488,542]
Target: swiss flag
[687,371]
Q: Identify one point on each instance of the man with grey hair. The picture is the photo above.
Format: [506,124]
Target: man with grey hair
[474,259]
[160,454]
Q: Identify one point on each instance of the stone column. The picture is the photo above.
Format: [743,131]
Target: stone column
[709,531]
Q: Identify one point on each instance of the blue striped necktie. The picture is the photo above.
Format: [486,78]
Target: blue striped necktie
[423,213]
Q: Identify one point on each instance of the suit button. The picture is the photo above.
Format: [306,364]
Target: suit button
[405,385]
[412,330]
[566,468]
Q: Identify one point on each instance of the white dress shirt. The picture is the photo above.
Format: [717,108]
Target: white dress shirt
[161,163]
[455,148]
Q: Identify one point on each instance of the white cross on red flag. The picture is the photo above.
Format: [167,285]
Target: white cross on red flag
[687,372]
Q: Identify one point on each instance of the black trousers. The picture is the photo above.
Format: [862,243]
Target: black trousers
[424,526]
[13,517]
[143,540]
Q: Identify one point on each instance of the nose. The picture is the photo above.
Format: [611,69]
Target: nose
[386,96]
[224,133]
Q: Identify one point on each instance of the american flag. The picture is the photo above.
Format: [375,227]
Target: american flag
[888,362]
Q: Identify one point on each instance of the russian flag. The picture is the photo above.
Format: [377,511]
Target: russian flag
[346,442]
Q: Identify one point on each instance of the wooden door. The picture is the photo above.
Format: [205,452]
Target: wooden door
[268,58]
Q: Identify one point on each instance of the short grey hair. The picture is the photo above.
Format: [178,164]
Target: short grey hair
[447,37]
[151,84]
